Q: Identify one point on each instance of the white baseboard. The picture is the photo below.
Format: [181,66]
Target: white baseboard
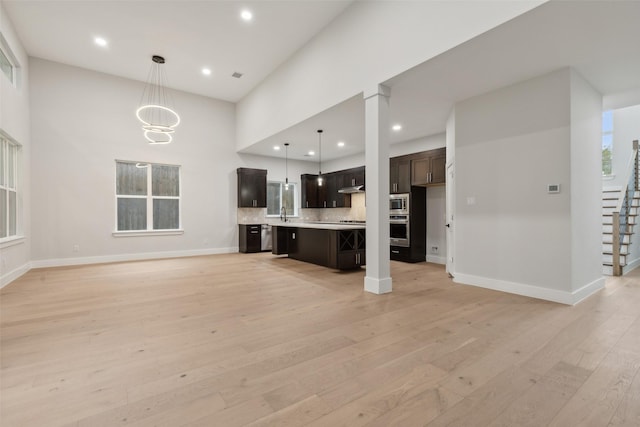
[377,286]
[631,266]
[554,295]
[61,262]
[437,259]
[5,279]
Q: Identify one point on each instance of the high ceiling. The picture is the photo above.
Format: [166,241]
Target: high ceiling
[598,38]
[189,34]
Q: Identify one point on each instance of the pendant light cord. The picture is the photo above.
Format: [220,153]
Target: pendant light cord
[319,152]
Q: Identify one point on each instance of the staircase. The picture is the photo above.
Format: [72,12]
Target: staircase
[610,198]
[620,209]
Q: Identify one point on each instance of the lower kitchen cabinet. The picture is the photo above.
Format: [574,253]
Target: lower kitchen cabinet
[339,249]
[280,240]
[249,238]
[351,247]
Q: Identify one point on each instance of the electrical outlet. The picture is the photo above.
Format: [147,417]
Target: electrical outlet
[434,249]
[76,248]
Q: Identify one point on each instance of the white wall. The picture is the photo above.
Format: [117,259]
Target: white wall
[82,122]
[436,231]
[510,144]
[367,44]
[586,183]
[510,233]
[14,123]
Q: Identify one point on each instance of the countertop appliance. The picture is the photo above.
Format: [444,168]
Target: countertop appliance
[265,238]
[399,204]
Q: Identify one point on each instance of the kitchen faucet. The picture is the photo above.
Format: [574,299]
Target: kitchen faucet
[283,214]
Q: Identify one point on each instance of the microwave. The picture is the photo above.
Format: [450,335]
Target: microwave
[399,204]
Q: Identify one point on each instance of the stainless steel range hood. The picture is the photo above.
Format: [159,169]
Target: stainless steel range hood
[351,190]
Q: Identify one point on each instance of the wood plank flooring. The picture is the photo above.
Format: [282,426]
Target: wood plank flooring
[257,340]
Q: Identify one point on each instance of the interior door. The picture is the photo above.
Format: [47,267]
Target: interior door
[450,211]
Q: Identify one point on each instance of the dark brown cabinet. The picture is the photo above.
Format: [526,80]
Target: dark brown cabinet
[252,188]
[400,175]
[351,249]
[353,177]
[326,195]
[339,249]
[429,168]
[249,238]
[309,191]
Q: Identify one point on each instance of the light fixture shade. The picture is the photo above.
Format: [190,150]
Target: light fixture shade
[155,112]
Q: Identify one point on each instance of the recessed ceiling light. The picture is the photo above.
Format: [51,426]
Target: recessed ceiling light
[276,147]
[340,144]
[311,153]
[100,41]
[246,15]
[397,127]
[206,71]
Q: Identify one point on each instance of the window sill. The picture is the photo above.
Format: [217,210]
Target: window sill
[11,241]
[139,233]
[608,177]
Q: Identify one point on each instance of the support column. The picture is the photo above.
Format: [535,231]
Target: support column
[378,276]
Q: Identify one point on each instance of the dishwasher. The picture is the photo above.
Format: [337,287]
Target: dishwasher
[265,238]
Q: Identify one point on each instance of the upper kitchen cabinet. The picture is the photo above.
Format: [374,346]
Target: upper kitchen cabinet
[335,199]
[429,168]
[252,188]
[309,191]
[353,177]
[400,174]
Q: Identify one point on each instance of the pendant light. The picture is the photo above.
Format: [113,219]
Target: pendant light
[320,180]
[286,166]
[158,119]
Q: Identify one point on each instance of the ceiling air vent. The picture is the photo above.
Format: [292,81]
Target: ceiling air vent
[236,74]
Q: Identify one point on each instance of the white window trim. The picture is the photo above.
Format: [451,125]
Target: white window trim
[137,233]
[12,241]
[19,237]
[15,66]
[296,209]
[150,198]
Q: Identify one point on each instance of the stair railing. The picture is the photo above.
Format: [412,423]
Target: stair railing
[620,222]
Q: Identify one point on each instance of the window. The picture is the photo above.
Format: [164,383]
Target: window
[9,157]
[607,142]
[7,61]
[147,196]
[279,196]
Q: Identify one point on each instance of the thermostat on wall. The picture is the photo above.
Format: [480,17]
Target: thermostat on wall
[553,188]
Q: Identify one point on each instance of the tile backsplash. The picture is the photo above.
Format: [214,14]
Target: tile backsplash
[357,211]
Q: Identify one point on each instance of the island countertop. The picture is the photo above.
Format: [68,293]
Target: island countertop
[321,225]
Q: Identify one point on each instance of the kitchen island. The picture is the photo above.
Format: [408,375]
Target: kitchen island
[339,246]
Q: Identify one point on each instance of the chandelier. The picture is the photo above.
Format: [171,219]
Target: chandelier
[158,119]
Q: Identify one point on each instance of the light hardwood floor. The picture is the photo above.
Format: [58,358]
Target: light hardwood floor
[253,339]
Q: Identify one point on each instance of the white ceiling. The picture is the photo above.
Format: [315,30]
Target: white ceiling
[189,34]
[598,38]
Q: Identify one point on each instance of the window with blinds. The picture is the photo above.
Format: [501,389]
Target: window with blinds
[147,196]
[9,164]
